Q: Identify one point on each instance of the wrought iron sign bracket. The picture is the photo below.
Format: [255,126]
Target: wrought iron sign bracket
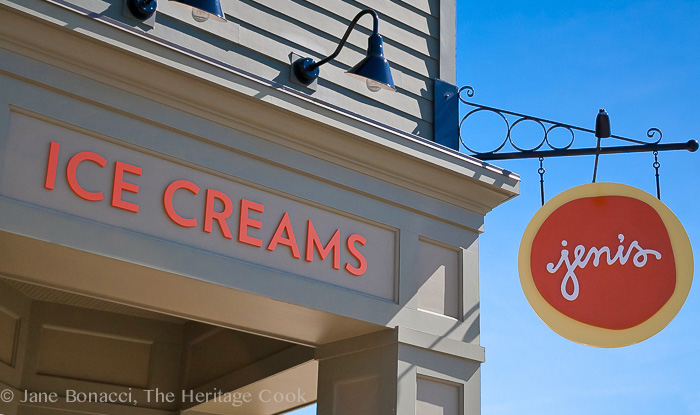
[448,131]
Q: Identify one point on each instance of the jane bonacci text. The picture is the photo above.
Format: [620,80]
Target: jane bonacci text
[72,396]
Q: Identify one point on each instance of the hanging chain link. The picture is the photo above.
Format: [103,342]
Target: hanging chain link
[541,171]
[656,168]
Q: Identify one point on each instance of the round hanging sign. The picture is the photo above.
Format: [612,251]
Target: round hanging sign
[605,264]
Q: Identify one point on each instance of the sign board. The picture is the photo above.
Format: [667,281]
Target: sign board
[605,264]
[101,179]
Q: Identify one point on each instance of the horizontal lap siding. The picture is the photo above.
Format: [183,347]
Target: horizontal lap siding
[261,35]
[426,6]
[272,29]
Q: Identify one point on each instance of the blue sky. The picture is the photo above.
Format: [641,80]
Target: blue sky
[563,60]
[640,60]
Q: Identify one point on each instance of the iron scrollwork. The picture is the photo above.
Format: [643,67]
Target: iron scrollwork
[544,147]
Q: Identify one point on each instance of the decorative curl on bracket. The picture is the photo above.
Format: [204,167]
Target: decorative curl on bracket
[651,132]
[543,145]
[470,92]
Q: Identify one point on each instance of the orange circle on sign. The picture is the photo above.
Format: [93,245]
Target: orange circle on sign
[605,264]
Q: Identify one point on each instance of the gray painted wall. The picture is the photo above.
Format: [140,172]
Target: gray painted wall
[261,35]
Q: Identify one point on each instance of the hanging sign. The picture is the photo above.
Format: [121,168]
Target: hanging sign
[605,264]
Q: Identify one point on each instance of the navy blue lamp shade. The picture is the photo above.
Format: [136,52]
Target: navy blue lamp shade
[204,9]
[374,68]
[142,9]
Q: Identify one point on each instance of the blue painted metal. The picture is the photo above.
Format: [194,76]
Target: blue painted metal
[446,114]
[374,68]
[142,9]
[213,7]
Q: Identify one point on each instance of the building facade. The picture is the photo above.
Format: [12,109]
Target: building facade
[184,230]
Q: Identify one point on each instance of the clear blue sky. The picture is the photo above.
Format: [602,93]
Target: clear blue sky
[563,60]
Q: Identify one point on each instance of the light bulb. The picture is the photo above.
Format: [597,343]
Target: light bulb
[199,16]
[373,86]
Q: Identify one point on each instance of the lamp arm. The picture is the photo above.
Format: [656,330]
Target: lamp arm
[345,37]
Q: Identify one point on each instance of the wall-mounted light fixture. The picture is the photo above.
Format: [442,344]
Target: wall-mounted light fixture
[142,9]
[374,68]
[202,10]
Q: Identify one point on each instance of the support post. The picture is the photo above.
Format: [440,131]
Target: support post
[392,372]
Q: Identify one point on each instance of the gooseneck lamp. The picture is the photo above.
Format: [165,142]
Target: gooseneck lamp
[374,68]
[202,10]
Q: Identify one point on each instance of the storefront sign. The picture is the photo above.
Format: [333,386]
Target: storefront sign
[605,264]
[101,180]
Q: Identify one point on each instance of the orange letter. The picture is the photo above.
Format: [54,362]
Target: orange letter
[290,240]
[354,252]
[120,184]
[245,222]
[73,181]
[210,214]
[333,244]
[51,166]
[168,202]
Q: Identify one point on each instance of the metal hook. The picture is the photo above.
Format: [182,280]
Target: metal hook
[656,167]
[541,171]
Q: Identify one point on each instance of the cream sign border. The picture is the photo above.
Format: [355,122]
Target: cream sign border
[596,336]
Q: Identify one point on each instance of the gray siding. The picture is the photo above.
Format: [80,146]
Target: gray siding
[272,29]
[261,35]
